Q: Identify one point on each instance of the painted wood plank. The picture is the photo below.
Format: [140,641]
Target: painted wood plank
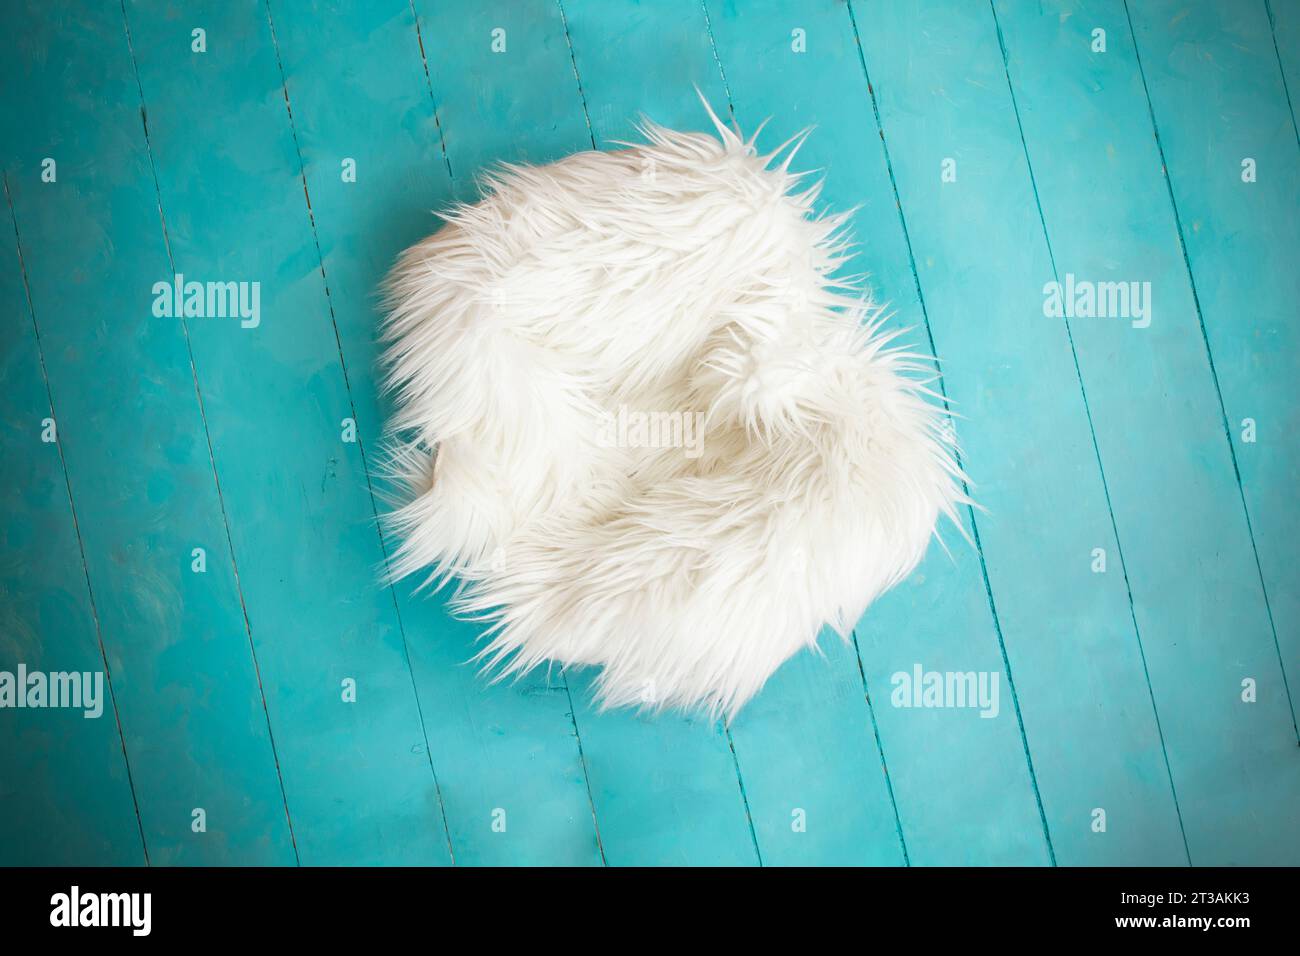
[814,779]
[682,801]
[361,784]
[1284,21]
[942,612]
[1220,101]
[534,80]
[502,77]
[65,795]
[1068,631]
[357,773]
[357,84]
[1246,256]
[1010,408]
[1186,544]
[661,777]
[808,742]
[136,457]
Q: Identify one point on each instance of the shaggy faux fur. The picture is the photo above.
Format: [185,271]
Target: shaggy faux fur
[647,430]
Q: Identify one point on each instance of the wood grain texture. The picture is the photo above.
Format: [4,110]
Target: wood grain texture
[133,437]
[1081,434]
[982,262]
[64,787]
[1215,98]
[359,90]
[358,781]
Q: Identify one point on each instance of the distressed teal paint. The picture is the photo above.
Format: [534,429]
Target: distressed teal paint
[357,85]
[177,649]
[961,783]
[64,789]
[1187,549]
[808,741]
[1219,98]
[358,780]
[1216,96]
[519,105]
[667,791]
[1284,23]
[981,263]
[430,757]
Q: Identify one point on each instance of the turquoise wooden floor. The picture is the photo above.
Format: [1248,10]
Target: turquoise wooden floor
[203,526]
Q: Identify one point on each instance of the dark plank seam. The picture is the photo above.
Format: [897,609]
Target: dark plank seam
[361,447]
[943,392]
[1286,91]
[1096,448]
[1214,374]
[207,435]
[76,526]
[564,680]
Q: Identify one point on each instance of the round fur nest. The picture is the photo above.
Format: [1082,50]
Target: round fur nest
[646,429]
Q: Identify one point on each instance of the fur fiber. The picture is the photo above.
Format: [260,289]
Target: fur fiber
[685,275]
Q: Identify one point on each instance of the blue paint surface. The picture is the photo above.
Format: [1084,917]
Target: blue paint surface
[199,524]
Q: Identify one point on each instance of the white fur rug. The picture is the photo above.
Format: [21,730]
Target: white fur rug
[645,429]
